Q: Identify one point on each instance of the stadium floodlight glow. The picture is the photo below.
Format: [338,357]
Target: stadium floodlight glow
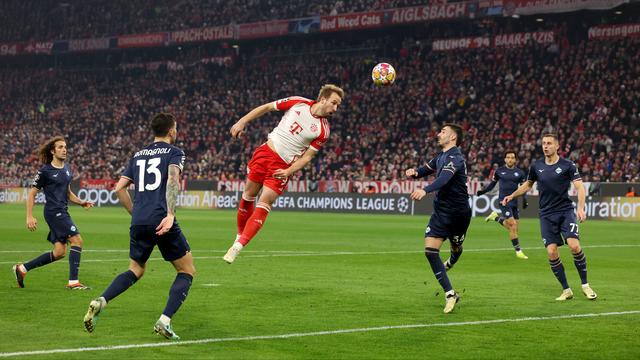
[539,19]
[516,16]
[618,12]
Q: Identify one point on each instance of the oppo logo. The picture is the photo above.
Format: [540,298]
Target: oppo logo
[98,196]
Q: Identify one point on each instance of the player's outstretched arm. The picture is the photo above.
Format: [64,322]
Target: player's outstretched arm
[123,194]
[173,188]
[522,189]
[238,128]
[489,187]
[76,200]
[297,165]
[32,223]
[582,197]
[419,172]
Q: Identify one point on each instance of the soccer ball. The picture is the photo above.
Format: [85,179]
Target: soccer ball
[383,74]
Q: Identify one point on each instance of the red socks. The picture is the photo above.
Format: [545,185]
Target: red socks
[254,223]
[245,209]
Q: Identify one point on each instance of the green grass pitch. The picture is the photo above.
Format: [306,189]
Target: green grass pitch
[310,273]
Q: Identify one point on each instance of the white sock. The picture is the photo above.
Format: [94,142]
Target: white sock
[585,285]
[450,292]
[237,246]
[237,237]
[103,301]
[22,268]
[73,282]
[165,319]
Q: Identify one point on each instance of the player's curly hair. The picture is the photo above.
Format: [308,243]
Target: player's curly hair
[45,152]
[510,151]
[327,89]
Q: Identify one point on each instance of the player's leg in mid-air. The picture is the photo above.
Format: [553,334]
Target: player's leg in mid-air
[261,169]
[247,204]
[246,207]
[457,230]
[254,223]
[509,219]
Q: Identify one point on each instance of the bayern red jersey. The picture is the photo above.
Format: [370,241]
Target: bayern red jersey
[298,129]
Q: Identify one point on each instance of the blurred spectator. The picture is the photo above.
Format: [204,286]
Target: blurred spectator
[74,19]
[504,98]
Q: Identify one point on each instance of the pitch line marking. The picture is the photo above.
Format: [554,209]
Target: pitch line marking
[334,253]
[314,333]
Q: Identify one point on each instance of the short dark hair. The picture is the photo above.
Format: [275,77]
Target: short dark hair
[162,123]
[511,152]
[45,149]
[551,135]
[458,130]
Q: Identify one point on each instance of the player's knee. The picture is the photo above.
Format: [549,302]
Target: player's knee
[431,253]
[136,269]
[575,247]
[58,254]
[189,270]
[138,272]
[76,241]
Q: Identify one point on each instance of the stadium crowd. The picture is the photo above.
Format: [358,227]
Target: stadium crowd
[589,93]
[75,19]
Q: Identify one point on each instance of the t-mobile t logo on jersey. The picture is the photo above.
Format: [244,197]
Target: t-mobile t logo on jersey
[295,128]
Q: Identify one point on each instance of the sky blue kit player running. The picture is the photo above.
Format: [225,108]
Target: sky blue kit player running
[509,177]
[155,172]
[558,223]
[452,214]
[54,178]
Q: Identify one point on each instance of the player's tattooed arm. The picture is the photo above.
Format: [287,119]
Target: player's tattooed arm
[173,188]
